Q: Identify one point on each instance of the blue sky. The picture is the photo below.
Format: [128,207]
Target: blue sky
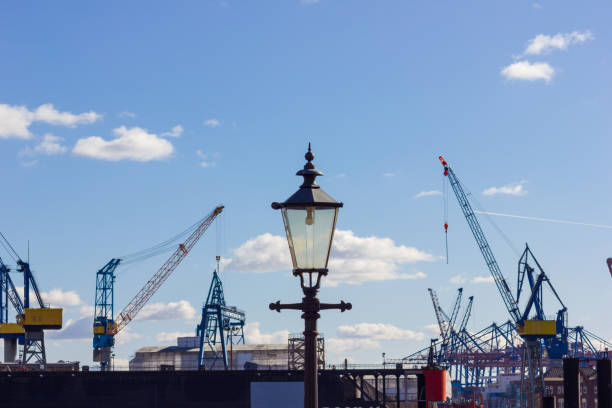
[123,123]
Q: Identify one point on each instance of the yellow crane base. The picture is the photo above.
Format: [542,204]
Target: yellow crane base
[42,318]
[538,328]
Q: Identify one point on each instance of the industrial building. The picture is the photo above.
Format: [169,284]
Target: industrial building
[184,356]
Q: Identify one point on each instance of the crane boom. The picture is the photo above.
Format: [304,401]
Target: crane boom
[466,315]
[483,245]
[437,310]
[8,287]
[142,297]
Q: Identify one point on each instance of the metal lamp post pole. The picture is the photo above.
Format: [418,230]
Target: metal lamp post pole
[310,307]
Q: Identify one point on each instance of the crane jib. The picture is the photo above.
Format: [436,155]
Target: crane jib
[482,242]
[137,303]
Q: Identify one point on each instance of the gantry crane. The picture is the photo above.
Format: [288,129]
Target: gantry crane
[220,324]
[447,322]
[10,332]
[534,330]
[33,320]
[105,327]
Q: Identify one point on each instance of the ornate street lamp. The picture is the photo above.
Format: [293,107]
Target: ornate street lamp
[310,216]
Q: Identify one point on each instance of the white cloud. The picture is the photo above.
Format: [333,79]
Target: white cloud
[54,297]
[389,174]
[125,336]
[515,189]
[307,2]
[213,123]
[378,331]
[457,280]
[253,335]
[337,346]
[167,311]
[428,193]
[482,279]
[127,114]
[176,131]
[354,259]
[130,144]
[15,120]
[433,328]
[543,43]
[29,163]
[73,330]
[170,337]
[49,146]
[526,71]
[205,162]
[47,113]
[537,6]
[87,310]
[264,253]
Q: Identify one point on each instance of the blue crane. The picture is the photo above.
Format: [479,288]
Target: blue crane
[105,325]
[535,329]
[220,325]
[10,332]
[33,320]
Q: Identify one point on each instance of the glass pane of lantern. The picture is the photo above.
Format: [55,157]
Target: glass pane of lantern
[309,232]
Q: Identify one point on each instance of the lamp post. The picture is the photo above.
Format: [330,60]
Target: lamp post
[309,216]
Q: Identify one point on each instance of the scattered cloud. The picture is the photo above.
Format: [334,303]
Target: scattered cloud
[482,279]
[337,346]
[377,331]
[354,259]
[167,311]
[205,161]
[49,146]
[433,328]
[388,174]
[127,114]
[515,189]
[537,6]
[253,335]
[54,297]
[125,336]
[29,163]
[130,144]
[87,310]
[309,2]
[170,337]
[527,71]
[15,120]
[73,330]
[543,43]
[457,280]
[176,131]
[428,193]
[213,123]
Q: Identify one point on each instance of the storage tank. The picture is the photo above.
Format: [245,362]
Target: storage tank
[435,384]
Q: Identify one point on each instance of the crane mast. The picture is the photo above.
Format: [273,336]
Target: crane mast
[136,304]
[483,245]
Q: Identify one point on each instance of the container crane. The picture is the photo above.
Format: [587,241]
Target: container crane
[33,320]
[10,332]
[533,330]
[219,324]
[105,327]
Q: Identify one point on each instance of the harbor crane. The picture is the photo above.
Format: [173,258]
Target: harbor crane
[220,323]
[534,330]
[105,326]
[31,321]
[9,332]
